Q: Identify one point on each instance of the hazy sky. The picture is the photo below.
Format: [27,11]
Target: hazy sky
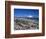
[26,12]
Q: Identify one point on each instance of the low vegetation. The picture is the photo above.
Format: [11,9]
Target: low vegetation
[21,24]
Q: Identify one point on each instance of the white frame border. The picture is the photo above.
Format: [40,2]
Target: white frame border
[25,31]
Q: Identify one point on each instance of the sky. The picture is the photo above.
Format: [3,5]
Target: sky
[26,12]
